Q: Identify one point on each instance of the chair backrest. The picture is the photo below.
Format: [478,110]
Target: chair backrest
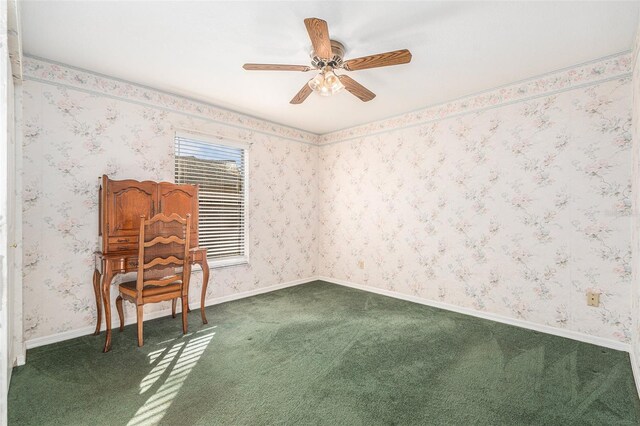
[163,246]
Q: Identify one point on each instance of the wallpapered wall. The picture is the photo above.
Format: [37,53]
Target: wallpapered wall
[515,210]
[635,299]
[513,202]
[5,306]
[79,126]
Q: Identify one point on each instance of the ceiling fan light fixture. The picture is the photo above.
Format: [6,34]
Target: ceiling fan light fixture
[332,82]
[324,91]
[326,83]
[317,82]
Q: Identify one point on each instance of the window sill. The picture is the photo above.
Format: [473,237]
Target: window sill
[225,263]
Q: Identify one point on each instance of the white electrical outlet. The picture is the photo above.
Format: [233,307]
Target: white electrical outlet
[593,299]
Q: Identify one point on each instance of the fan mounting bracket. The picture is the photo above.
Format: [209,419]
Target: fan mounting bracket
[337,50]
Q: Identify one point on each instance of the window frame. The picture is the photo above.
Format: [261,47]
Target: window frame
[227,142]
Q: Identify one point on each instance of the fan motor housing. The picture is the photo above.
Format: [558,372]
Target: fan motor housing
[337,49]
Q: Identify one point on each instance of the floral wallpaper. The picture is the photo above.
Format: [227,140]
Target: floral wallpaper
[516,210]
[6,337]
[515,201]
[71,137]
[40,70]
[573,77]
[635,298]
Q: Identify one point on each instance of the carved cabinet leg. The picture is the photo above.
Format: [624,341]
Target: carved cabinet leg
[106,301]
[173,308]
[96,290]
[205,282]
[120,312]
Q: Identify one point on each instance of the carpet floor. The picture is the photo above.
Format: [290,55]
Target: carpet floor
[324,354]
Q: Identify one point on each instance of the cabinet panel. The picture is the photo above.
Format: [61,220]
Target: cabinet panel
[127,200]
[182,200]
[122,202]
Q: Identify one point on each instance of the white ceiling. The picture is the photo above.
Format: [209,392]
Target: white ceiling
[197,49]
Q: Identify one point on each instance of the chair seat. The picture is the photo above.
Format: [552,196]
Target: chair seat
[129,288]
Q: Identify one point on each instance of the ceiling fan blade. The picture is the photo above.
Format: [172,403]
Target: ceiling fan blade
[301,95]
[275,67]
[356,88]
[396,57]
[319,35]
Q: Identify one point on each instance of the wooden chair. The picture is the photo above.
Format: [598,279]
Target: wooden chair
[163,267]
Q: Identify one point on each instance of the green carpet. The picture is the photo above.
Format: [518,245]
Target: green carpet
[324,354]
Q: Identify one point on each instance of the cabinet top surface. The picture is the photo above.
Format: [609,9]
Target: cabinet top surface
[146,182]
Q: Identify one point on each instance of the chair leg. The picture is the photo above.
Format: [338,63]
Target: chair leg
[174,302]
[185,307]
[140,322]
[120,312]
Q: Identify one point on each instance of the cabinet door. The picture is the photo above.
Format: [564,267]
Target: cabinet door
[126,201]
[182,200]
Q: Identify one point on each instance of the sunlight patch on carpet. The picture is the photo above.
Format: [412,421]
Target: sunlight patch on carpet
[179,360]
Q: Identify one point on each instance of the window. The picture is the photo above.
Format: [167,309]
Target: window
[219,167]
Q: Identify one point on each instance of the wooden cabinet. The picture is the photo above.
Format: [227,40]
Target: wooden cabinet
[180,199]
[123,202]
[126,201]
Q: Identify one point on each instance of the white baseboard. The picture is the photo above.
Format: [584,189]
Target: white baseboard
[115,322]
[21,357]
[636,369]
[71,334]
[595,340]
[600,341]
[21,360]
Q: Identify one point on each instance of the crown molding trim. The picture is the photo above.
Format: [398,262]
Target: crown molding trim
[47,71]
[613,67]
[618,66]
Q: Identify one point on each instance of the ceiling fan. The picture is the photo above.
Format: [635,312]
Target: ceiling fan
[326,57]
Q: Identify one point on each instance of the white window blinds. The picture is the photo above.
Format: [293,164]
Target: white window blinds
[219,170]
